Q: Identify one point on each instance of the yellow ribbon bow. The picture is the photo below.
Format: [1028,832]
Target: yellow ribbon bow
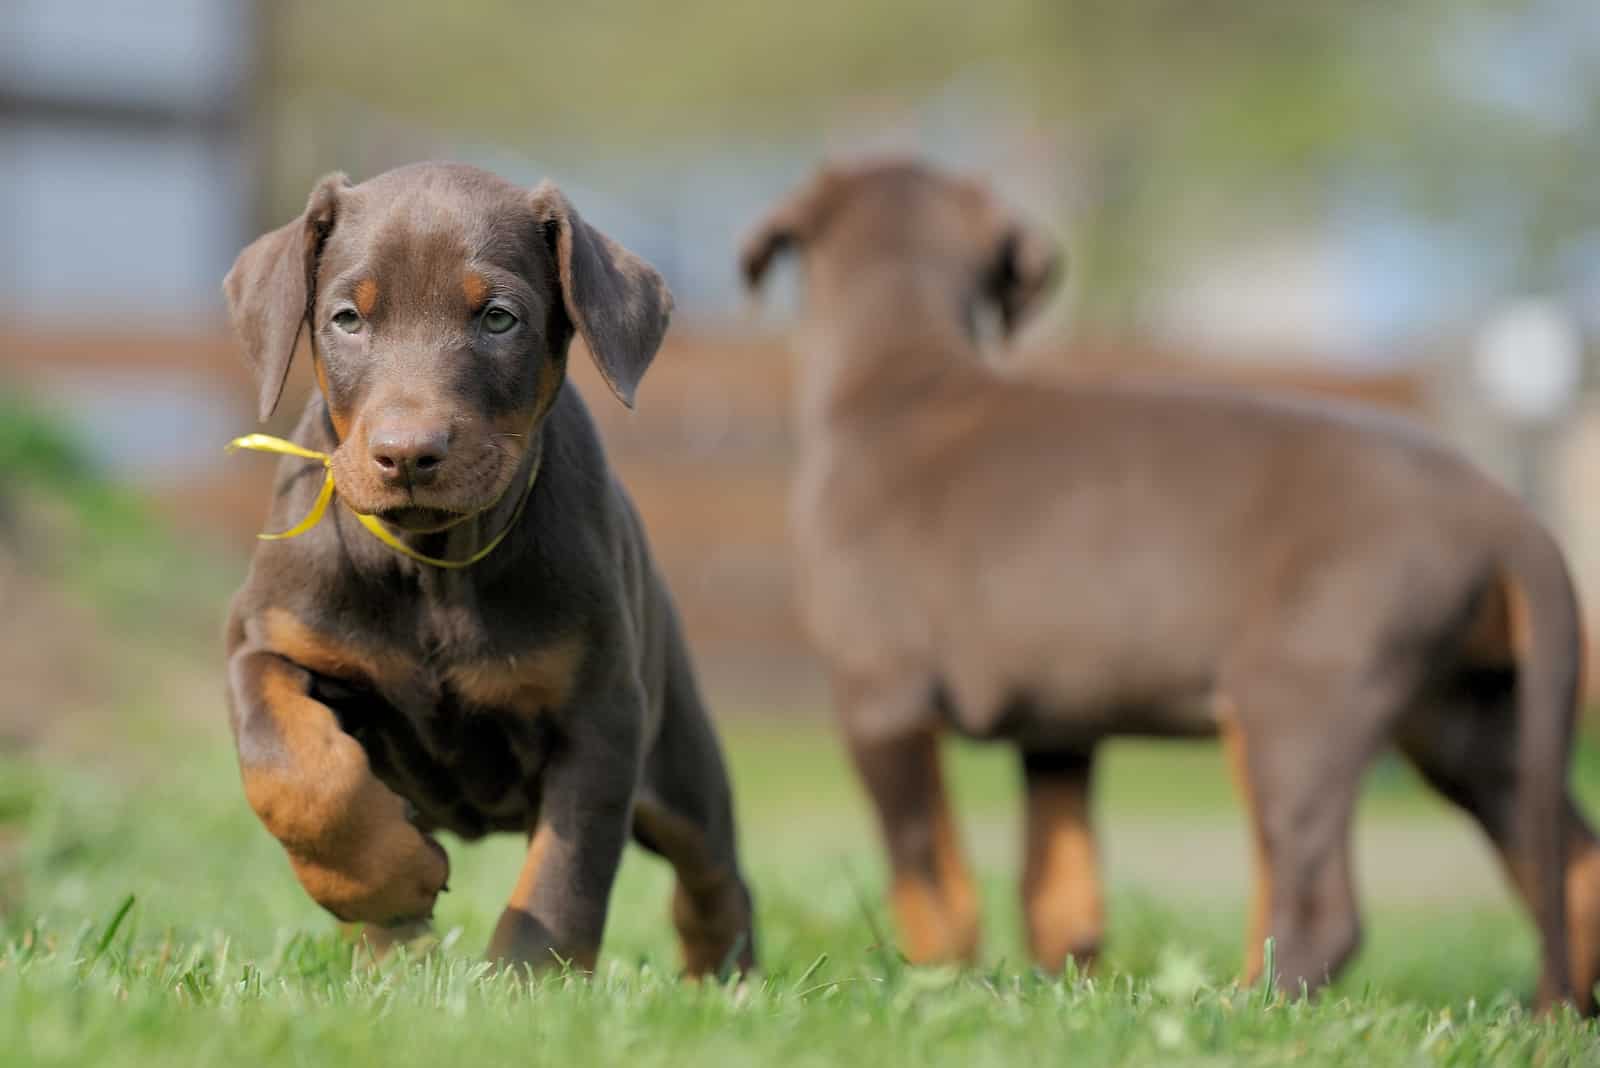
[268,443]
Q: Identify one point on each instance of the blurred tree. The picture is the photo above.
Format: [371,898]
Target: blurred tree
[1194,119]
[1183,121]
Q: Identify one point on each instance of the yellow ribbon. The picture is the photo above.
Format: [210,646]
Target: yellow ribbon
[374,525]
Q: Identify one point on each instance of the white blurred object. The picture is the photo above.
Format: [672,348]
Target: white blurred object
[1529,361]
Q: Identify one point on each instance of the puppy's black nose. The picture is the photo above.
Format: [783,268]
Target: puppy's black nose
[408,454]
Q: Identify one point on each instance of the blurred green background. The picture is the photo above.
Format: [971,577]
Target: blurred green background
[1158,132]
[1391,202]
[1395,203]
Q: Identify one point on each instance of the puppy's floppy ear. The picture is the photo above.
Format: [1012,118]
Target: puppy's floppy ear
[617,301]
[791,222]
[273,285]
[1026,268]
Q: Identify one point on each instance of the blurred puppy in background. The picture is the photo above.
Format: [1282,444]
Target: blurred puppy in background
[1050,565]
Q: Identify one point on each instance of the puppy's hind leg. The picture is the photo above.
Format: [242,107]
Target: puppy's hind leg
[934,899]
[684,813]
[1464,744]
[1061,895]
[1300,739]
[1583,907]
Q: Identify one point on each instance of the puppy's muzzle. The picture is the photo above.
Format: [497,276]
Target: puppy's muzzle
[408,455]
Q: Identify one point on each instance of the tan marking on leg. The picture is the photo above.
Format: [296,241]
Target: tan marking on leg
[1583,911]
[519,937]
[540,679]
[709,907]
[919,914]
[528,877]
[346,834]
[1233,742]
[960,893]
[938,916]
[476,289]
[366,296]
[710,924]
[1061,881]
[931,893]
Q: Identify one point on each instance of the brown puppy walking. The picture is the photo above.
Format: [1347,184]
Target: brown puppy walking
[1051,565]
[381,692]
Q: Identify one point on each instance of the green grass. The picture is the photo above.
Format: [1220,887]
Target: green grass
[147,919]
[220,957]
[99,539]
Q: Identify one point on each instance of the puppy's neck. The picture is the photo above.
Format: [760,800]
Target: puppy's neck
[464,539]
[876,341]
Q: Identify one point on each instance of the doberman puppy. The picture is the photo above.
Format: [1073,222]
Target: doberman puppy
[545,689]
[1053,564]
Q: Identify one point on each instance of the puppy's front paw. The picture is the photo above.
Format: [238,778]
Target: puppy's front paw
[429,870]
[393,880]
[410,873]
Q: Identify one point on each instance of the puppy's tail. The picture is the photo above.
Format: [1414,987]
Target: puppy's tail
[1548,639]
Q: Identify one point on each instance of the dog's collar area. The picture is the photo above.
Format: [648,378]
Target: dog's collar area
[374,525]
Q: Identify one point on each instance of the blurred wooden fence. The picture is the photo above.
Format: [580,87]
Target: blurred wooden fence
[705,455]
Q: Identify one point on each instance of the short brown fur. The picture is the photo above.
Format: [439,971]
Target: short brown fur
[934,899]
[1051,564]
[339,419]
[346,834]
[545,690]
[1061,896]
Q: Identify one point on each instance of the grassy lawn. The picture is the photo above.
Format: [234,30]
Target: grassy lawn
[220,956]
[146,919]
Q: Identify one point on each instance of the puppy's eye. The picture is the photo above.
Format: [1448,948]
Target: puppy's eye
[498,320]
[347,320]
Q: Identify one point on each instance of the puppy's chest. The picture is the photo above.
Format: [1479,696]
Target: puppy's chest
[465,737]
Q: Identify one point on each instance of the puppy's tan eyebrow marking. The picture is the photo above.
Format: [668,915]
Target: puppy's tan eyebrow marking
[476,289]
[366,296]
